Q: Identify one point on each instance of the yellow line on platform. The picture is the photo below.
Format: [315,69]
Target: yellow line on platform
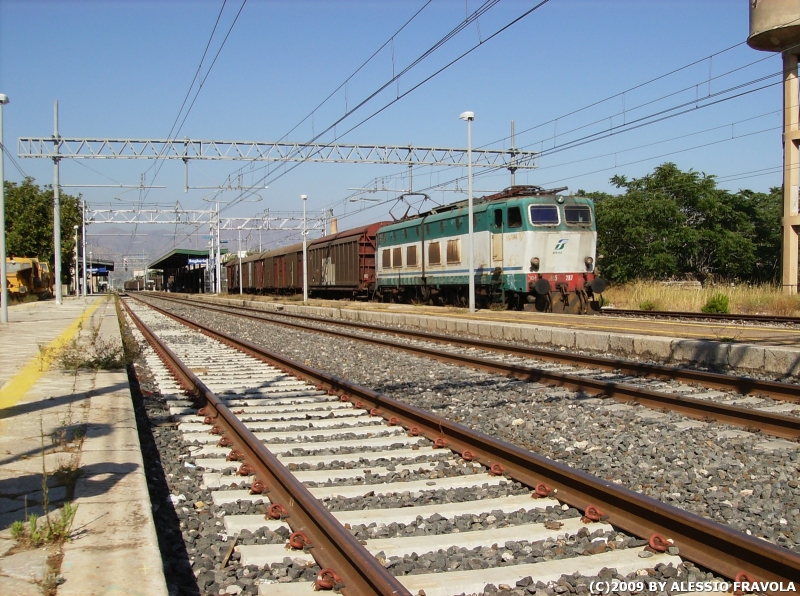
[26,378]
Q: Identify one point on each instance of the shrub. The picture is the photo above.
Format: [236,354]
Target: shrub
[717,304]
[648,305]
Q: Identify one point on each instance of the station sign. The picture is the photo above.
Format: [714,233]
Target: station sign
[191,261]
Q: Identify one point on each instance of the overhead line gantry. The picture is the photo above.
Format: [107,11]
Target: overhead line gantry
[58,148]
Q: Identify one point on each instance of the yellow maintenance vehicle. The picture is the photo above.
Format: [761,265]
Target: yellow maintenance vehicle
[28,276]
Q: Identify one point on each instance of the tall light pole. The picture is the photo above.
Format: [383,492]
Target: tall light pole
[83,245]
[56,205]
[4,292]
[469,117]
[217,261]
[239,252]
[305,251]
[77,269]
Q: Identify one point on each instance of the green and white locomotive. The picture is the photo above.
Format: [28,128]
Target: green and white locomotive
[533,249]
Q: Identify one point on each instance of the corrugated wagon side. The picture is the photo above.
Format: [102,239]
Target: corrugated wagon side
[343,264]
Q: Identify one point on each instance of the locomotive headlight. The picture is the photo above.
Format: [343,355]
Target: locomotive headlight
[588,261]
[535,264]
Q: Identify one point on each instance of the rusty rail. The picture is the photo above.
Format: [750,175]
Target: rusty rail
[357,572]
[707,543]
[779,425]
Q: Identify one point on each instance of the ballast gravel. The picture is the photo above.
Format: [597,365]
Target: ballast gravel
[731,480]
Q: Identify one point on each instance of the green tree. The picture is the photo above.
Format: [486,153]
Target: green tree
[672,223]
[29,223]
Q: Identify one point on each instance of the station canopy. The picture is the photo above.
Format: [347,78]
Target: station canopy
[179,258]
[99,266]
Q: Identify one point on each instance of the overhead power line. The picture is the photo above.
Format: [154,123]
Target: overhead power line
[425,54]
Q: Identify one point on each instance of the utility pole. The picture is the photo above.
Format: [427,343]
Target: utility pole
[77,268]
[56,205]
[83,243]
[3,284]
[218,264]
[305,252]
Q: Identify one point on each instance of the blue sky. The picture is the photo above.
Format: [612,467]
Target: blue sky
[122,69]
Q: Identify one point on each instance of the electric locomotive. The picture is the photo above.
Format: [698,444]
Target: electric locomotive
[533,249]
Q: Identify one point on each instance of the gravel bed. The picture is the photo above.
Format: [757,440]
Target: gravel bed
[374,499]
[579,584]
[730,480]
[789,379]
[436,524]
[668,386]
[511,553]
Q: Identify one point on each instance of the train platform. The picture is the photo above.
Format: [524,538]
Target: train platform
[71,437]
[754,349]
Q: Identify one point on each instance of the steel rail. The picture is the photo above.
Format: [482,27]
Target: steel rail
[743,385]
[717,547]
[333,547]
[701,315]
[779,425]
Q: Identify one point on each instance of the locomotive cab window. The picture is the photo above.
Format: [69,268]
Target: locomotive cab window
[434,254]
[386,258]
[411,256]
[454,251]
[397,257]
[578,214]
[514,217]
[544,215]
[498,218]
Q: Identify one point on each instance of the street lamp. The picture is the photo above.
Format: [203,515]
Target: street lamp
[56,205]
[4,292]
[469,117]
[239,251]
[305,252]
[83,245]
[77,277]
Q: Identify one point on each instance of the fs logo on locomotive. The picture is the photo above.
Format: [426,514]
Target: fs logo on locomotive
[560,246]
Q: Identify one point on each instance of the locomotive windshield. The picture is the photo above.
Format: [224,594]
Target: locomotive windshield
[578,214]
[544,215]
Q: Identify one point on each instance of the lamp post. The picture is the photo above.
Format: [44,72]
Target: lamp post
[4,292]
[239,252]
[83,245]
[469,117]
[56,205]
[77,269]
[305,252]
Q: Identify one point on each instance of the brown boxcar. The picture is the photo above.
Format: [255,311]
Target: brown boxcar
[343,264]
[248,277]
[287,269]
[232,269]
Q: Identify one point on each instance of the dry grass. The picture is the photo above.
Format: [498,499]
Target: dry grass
[743,299]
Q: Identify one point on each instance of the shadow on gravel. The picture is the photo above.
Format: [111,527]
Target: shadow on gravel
[177,567]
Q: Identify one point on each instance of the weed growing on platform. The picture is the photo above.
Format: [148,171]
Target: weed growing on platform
[55,531]
[97,355]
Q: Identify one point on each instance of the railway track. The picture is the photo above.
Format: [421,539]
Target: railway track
[342,440]
[726,317]
[625,385]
